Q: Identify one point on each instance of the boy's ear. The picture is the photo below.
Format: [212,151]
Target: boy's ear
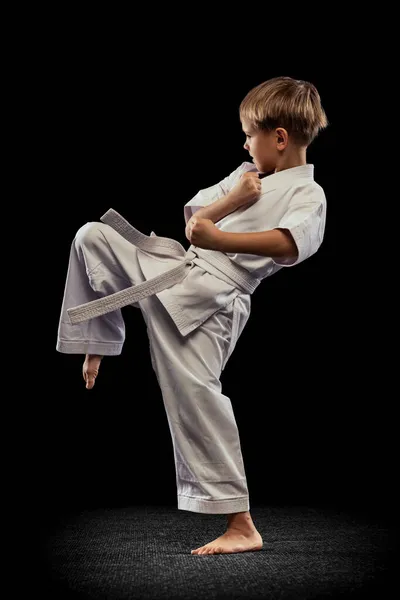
[281,136]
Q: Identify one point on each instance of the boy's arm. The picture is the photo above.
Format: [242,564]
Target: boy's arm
[218,197]
[216,211]
[297,236]
[220,208]
[246,191]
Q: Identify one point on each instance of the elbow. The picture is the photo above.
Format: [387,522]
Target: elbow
[289,247]
[292,250]
[287,254]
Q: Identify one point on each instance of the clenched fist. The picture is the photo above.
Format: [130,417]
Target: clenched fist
[202,233]
[248,189]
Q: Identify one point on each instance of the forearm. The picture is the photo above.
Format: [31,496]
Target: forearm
[274,243]
[220,208]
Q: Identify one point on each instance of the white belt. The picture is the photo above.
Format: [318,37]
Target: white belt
[240,276]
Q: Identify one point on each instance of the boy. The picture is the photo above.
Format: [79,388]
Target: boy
[265,215]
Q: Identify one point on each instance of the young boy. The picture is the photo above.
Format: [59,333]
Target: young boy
[265,215]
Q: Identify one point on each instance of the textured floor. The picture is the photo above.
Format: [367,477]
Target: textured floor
[144,552]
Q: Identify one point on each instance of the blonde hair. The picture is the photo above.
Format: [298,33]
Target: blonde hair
[293,104]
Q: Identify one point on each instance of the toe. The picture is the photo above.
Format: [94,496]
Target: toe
[89,383]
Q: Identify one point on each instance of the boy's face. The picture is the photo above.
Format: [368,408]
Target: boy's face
[262,147]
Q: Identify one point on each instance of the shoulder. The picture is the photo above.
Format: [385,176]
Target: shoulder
[310,191]
[318,191]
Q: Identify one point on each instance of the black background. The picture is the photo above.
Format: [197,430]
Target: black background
[141,127]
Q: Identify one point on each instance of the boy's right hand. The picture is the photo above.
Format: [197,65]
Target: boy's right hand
[248,188]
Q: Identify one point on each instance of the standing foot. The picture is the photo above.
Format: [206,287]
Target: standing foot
[241,536]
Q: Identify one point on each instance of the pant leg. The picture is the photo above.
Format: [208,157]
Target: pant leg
[210,473]
[101,262]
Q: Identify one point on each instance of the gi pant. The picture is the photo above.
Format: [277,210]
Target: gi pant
[210,474]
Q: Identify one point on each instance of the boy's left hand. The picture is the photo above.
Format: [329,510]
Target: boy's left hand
[202,233]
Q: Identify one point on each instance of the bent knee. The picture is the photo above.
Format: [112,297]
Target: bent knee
[90,235]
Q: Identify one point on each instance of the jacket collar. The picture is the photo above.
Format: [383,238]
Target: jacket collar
[287,177]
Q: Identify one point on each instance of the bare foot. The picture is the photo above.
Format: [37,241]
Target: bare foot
[240,537]
[90,369]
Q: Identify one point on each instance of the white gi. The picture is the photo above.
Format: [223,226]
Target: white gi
[195,304]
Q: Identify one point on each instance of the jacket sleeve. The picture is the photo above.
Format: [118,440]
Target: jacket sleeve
[209,195]
[305,219]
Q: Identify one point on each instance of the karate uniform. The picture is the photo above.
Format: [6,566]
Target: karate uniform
[195,303]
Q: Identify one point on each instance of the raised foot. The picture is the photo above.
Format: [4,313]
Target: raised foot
[232,542]
[90,369]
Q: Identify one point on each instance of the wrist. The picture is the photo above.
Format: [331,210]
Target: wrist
[220,237]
